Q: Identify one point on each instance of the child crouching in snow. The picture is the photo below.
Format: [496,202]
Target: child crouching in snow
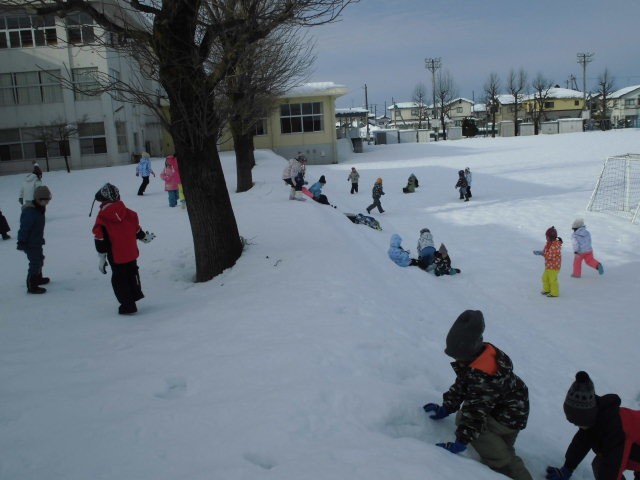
[442,262]
[552,254]
[399,255]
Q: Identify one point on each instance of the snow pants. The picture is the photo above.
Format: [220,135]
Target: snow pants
[143,185]
[550,282]
[588,259]
[125,281]
[354,188]
[495,447]
[376,203]
[173,197]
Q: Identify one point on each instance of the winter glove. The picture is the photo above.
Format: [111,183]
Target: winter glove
[20,200]
[137,174]
[555,473]
[560,239]
[102,262]
[21,246]
[457,447]
[148,236]
[576,253]
[440,412]
[537,252]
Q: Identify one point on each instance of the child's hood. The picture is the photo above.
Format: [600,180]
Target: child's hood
[115,212]
[172,161]
[395,241]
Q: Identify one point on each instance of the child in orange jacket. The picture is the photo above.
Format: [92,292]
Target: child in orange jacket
[552,254]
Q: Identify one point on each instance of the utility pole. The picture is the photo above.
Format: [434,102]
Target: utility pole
[584,59]
[366,106]
[433,64]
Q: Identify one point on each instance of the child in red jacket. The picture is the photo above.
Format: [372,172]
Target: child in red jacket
[116,231]
[611,431]
[552,254]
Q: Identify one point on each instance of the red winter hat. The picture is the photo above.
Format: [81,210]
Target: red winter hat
[551,233]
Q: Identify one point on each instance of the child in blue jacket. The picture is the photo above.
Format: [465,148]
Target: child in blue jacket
[399,255]
[143,169]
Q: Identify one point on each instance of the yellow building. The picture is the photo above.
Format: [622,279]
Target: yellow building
[560,103]
[303,121]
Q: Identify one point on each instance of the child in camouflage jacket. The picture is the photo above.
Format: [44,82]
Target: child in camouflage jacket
[492,402]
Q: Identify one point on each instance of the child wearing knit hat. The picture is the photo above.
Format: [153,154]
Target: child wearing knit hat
[552,253]
[442,262]
[376,193]
[611,431]
[492,402]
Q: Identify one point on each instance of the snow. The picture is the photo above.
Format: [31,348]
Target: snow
[312,357]
[624,91]
[315,89]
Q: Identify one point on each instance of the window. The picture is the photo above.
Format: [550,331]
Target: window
[80,29]
[29,88]
[459,110]
[121,133]
[84,83]
[576,103]
[260,128]
[301,117]
[92,139]
[29,143]
[548,104]
[23,31]
[629,102]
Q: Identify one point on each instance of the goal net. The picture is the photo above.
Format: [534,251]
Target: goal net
[618,189]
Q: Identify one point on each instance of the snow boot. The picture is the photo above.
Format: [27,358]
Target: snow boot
[600,269]
[32,285]
[292,194]
[300,196]
[127,309]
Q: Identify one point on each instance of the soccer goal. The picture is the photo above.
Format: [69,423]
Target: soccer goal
[618,189]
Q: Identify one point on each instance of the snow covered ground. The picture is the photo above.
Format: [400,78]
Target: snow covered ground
[312,357]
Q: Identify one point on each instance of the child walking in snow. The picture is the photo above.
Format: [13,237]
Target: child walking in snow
[171,177]
[462,185]
[143,169]
[552,254]
[492,402]
[611,431]
[581,241]
[442,262]
[468,177]
[376,193]
[353,177]
[115,232]
[399,255]
[31,237]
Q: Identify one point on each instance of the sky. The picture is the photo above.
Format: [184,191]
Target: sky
[384,43]
[312,357]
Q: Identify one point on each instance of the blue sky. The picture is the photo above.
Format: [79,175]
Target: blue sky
[383,43]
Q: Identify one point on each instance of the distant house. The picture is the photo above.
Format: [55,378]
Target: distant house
[409,115]
[459,109]
[303,121]
[624,107]
[560,103]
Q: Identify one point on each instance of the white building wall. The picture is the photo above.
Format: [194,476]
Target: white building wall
[141,123]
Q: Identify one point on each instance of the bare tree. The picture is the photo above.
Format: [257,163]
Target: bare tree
[491,91]
[419,98]
[183,37]
[446,91]
[517,86]
[605,88]
[268,69]
[52,140]
[541,87]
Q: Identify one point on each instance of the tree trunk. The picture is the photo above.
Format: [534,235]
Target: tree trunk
[216,240]
[245,160]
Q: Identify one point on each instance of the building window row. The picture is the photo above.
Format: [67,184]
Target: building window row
[301,117]
[20,31]
[28,88]
[23,31]
[35,143]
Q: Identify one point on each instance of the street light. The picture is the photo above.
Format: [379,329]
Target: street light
[433,64]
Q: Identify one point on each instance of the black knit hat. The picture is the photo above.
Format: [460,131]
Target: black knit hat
[108,193]
[322,179]
[464,340]
[580,405]
[42,193]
